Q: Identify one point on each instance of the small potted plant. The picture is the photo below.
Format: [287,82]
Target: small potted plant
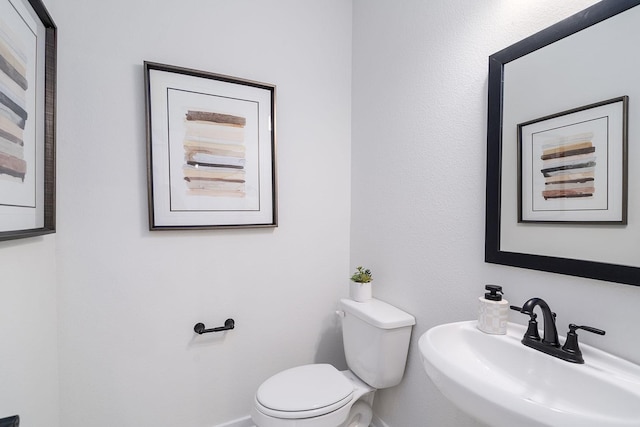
[360,287]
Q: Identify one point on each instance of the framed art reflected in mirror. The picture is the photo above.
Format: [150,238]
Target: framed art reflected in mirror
[572,166]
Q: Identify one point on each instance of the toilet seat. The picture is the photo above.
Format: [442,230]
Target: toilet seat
[304,392]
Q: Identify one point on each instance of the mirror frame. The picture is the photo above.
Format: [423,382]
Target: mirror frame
[574,267]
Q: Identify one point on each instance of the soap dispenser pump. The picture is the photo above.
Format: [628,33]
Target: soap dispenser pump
[493,311]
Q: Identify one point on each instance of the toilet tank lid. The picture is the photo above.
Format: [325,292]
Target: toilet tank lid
[378,313]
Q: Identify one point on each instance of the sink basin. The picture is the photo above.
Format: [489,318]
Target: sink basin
[501,382]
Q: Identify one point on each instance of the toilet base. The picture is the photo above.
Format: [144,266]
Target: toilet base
[359,416]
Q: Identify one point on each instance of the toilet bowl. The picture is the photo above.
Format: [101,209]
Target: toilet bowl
[313,396]
[376,341]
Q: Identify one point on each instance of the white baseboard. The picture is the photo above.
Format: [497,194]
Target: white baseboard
[246,422]
[240,422]
[377,422]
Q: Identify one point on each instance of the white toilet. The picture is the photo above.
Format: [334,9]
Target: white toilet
[376,340]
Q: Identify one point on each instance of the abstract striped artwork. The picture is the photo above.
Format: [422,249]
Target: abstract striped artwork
[13,109]
[210,147]
[572,166]
[568,167]
[214,154]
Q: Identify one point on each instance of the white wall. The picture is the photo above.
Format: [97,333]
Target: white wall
[126,301]
[418,182]
[129,298]
[28,331]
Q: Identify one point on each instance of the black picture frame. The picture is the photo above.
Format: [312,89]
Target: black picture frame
[37,218]
[211,150]
[493,253]
[594,172]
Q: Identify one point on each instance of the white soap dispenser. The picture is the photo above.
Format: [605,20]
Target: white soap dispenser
[493,312]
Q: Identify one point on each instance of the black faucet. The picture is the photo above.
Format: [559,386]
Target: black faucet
[550,336]
[550,344]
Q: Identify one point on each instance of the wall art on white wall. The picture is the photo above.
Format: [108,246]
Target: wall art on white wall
[27,119]
[573,165]
[210,149]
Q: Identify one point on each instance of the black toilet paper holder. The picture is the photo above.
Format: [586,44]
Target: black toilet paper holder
[229,324]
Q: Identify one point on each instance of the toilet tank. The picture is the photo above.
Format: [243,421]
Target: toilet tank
[376,341]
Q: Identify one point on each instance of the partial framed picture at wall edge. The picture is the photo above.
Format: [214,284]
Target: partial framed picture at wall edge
[27,119]
[573,165]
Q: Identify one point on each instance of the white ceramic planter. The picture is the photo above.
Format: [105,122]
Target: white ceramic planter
[360,292]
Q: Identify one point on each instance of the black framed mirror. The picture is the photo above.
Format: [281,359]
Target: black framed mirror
[582,60]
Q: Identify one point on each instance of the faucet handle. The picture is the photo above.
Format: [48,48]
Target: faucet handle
[573,328]
[532,329]
[516,308]
[571,344]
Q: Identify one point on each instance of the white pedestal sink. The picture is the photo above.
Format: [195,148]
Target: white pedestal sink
[501,382]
